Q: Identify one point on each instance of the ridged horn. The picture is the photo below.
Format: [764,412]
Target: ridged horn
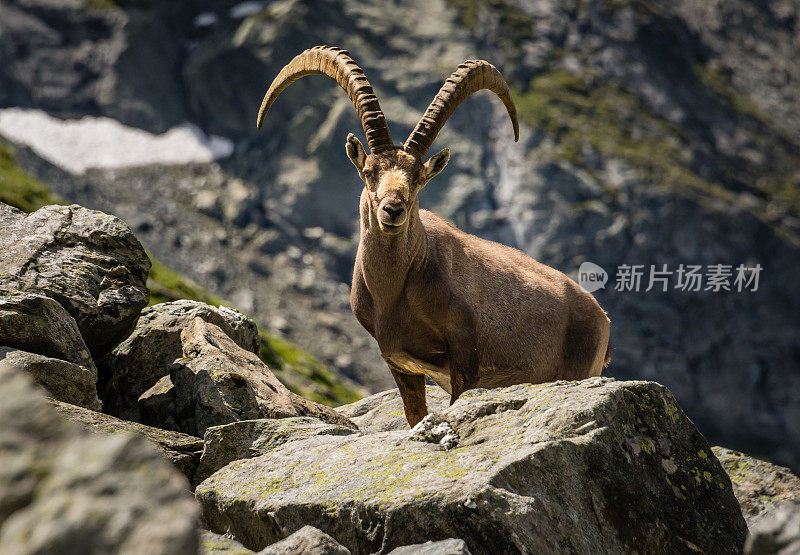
[470,77]
[338,65]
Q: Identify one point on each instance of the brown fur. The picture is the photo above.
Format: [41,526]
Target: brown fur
[462,310]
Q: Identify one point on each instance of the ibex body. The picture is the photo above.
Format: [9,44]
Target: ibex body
[441,303]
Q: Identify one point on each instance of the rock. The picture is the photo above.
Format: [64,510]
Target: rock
[760,487]
[88,261]
[306,407]
[217,382]
[92,58]
[183,450]
[64,490]
[434,429]
[137,363]
[308,540]
[251,438]
[38,324]
[156,406]
[443,547]
[216,544]
[384,411]
[63,380]
[537,468]
[777,532]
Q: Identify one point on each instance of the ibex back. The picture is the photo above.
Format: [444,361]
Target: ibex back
[441,303]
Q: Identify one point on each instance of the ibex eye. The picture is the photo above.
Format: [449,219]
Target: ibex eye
[367,172]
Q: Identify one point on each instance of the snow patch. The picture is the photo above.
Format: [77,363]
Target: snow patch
[246,9]
[90,142]
[206,19]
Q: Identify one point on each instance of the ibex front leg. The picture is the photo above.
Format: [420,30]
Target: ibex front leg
[412,391]
[462,349]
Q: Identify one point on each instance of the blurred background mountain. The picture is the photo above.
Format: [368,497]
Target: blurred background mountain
[652,133]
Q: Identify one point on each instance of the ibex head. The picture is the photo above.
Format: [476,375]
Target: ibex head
[393,175]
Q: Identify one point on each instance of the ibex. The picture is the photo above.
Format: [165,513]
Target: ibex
[441,303]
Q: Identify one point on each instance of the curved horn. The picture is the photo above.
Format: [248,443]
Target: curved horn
[338,65]
[469,78]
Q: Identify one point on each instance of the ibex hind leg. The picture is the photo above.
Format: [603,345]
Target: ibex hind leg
[586,344]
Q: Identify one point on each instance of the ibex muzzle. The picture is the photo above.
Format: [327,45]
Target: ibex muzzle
[441,303]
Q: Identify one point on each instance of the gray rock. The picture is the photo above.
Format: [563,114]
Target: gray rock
[306,407]
[63,380]
[156,406]
[217,382]
[434,429]
[383,411]
[64,490]
[307,540]
[538,468]
[137,363]
[760,487]
[442,547]
[92,58]
[88,261]
[251,438]
[778,532]
[216,544]
[38,324]
[181,449]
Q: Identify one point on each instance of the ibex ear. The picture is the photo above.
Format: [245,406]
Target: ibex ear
[355,151]
[435,164]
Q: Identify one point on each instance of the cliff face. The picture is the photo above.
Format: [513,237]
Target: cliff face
[651,134]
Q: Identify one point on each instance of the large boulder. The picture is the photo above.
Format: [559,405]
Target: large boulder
[65,490]
[88,261]
[591,466]
[217,382]
[384,411]
[181,449]
[251,438]
[63,380]
[145,356]
[760,487]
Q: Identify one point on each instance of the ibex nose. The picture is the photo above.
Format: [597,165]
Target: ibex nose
[394,210]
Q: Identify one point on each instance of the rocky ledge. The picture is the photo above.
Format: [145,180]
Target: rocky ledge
[592,466]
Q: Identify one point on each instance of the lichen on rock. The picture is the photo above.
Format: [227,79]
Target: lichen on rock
[551,467]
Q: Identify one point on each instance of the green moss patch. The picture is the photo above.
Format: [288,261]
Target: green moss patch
[302,373]
[167,285]
[19,189]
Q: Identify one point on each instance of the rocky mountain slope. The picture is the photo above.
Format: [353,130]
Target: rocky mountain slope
[652,134]
[525,468]
[297,369]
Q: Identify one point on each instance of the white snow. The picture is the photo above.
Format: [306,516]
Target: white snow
[90,142]
[245,9]
[206,19]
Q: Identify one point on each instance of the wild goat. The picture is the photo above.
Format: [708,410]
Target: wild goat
[462,310]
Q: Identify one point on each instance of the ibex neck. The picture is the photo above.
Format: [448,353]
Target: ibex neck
[387,259]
